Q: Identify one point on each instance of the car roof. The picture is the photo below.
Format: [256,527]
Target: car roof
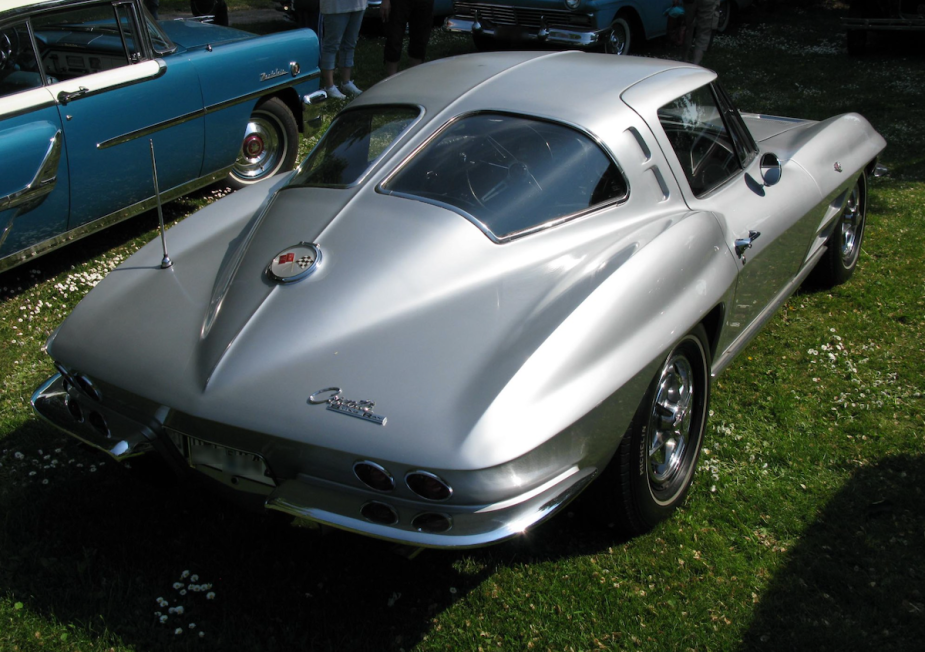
[573,87]
[11,5]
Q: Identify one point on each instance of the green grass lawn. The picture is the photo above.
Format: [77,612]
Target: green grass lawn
[804,530]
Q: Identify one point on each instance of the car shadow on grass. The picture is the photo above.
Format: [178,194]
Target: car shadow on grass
[86,544]
[856,579]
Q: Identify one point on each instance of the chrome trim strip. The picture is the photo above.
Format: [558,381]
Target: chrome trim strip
[84,230]
[720,364]
[268,90]
[82,93]
[42,183]
[44,104]
[192,115]
[147,131]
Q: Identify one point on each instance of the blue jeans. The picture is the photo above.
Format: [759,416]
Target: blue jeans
[339,39]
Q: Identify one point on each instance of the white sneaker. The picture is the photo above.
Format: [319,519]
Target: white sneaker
[350,88]
[334,93]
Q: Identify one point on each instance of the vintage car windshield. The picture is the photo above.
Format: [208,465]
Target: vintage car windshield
[510,174]
[352,144]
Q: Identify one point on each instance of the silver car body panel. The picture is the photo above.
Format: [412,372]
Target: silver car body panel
[510,371]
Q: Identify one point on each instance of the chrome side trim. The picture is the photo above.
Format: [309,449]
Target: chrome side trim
[147,131]
[720,364]
[44,181]
[192,115]
[83,93]
[260,93]
[84,230]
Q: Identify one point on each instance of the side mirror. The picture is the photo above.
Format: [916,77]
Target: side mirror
[770,169]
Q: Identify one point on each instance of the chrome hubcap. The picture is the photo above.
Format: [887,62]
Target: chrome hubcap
[616,42]
[851,224]
[262,150]
[670,421]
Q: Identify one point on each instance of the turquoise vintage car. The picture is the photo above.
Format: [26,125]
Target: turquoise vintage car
[86,88]
[614,25]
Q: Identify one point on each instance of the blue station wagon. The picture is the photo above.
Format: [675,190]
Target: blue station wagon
[92,92]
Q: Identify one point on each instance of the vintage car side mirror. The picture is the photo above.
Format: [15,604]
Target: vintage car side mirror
[770,169]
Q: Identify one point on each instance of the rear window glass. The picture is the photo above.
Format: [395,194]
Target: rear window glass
[352,144]
[510,174]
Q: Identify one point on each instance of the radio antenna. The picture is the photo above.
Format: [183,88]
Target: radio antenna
[165,262]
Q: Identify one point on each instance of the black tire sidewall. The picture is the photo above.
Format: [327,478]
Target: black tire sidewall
[831,270]
[643,511]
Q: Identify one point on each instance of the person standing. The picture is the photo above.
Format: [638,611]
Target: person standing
[340,27]
[699,21]
[418,15]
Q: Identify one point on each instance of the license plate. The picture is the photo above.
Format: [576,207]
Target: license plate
[228,460]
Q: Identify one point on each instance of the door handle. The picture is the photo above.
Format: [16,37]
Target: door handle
[746,243]
[66,96]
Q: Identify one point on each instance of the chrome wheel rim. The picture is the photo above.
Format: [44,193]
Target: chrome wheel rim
[262,150]
[851,225]
[670,422]
[616,41]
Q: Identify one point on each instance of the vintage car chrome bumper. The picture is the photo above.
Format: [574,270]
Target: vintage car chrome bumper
[312,106]
[108,431]
[65,404]
[436,525]
[543,34]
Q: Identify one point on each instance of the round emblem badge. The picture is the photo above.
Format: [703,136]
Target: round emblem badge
[294,263]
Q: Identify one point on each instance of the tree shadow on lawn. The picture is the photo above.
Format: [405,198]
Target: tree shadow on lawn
[856,579]
[95,548]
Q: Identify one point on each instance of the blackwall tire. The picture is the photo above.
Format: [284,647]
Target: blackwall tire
[838,263]
[619,40]
[658,456]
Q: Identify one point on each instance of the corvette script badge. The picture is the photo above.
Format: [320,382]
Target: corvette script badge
[337,403]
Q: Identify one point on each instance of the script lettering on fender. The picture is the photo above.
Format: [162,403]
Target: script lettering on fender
[336,403]
[264,76]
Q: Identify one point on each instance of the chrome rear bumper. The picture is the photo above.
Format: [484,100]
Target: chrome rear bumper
[307,498]
[94,425]
[552,35]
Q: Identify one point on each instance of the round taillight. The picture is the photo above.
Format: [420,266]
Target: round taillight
[428,486]
[88,388]
[99,423]
[432,523]
[374,476]
[73,408]
[380,513]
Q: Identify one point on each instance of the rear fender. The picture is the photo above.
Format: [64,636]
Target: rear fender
[603,355]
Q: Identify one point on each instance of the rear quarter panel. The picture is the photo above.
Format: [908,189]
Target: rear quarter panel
[236,76]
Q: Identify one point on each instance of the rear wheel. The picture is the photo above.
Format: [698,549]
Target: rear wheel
[658,455]
[620,38]
[839,261]
[270,145]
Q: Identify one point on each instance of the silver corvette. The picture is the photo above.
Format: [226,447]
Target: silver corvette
[472,298]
